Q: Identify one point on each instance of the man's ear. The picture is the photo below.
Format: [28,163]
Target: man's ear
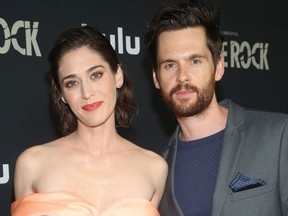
[155,80]
[119,77]
[219,69]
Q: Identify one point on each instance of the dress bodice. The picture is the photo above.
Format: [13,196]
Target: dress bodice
[62,203]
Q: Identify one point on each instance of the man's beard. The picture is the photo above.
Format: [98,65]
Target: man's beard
[184,108]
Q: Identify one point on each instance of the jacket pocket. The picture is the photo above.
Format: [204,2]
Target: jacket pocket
[252,192]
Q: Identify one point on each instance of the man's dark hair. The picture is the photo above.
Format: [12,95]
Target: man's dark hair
[171,17]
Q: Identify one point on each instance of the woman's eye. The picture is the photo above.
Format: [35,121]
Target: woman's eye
[71,84]
[96,75]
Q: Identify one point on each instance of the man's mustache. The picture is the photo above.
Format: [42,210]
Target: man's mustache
[186,86]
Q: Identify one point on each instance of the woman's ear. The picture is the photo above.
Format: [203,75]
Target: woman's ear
[119,77]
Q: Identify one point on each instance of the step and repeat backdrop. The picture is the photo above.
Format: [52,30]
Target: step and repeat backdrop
[255,51]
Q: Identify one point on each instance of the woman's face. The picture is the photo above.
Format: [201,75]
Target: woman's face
[89,86]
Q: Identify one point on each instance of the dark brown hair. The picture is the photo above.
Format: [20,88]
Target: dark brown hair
[72,39]
[171,17]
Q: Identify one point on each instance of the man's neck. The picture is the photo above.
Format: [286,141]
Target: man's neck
[210,122]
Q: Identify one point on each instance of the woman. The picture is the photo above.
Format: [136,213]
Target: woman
[91,170]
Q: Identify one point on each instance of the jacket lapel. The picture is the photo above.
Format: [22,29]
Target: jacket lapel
[169,203]
[231,147]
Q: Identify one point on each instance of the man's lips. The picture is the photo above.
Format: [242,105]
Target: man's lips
[93,106]
[183,92]
[183,89]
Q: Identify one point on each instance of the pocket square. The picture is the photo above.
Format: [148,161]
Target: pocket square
[243,182]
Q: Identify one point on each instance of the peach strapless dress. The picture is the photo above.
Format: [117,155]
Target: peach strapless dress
[62,203]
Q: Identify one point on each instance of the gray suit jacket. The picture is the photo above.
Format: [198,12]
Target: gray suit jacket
[256,144]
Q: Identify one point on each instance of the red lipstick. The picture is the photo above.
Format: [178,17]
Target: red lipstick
[93,106]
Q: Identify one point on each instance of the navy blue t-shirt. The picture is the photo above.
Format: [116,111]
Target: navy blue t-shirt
[196,171]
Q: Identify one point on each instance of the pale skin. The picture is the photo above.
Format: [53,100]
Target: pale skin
[183,57]
[94,162]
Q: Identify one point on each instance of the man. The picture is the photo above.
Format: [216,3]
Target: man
[223,159]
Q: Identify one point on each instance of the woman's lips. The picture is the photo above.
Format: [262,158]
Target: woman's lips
[93,106]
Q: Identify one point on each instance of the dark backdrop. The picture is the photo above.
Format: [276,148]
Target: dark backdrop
[255,52]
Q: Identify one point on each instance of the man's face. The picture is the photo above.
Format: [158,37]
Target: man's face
[185,72]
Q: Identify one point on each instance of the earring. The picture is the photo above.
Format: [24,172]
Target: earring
[119,85]
[63,99]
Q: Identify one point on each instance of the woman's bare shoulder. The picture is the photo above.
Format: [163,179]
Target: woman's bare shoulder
[156,160]
[34,153]
[149,157]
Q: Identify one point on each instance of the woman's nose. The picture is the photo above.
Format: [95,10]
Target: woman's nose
[87,90]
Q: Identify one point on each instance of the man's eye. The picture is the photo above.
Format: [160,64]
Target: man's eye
[196,61]
[169,66]
[96,75]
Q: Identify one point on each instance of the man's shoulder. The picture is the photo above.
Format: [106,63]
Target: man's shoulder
[254,115]
[265,119]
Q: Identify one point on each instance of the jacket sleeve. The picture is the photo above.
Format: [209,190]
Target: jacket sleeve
[283,170]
